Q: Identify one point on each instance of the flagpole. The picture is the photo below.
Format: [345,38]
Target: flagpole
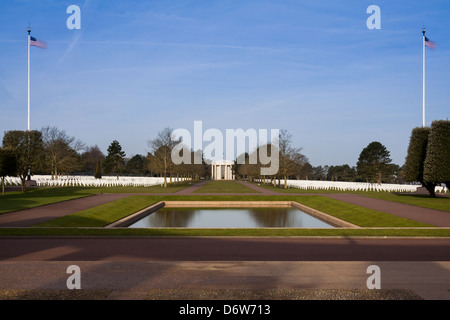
[29,39]
[423,81]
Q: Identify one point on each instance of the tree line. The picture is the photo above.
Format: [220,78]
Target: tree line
[374,165]
[51,151]
[427,162]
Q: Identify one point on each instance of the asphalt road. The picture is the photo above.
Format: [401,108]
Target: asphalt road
[223,249]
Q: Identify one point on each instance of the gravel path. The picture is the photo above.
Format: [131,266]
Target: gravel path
[218,294]
[199,280]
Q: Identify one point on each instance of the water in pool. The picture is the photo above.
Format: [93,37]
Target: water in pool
[283,217]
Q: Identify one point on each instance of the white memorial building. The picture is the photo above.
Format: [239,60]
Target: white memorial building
[222,170]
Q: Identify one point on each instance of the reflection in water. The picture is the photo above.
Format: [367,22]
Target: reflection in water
[284,217]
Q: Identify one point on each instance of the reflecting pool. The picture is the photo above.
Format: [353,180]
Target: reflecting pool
[281,217]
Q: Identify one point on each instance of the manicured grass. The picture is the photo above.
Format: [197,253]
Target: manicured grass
[171,188]
[339,232]
[438,203]
[224,186]
[34,197]
[105,214]
[270,187]
[102,215]
[79,224]
[360,216]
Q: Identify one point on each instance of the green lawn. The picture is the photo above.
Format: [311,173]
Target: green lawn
[270,187]
[107,213]
[171,188]
[338,232]
[360,216]
[224,186]
[438,203]
[102,215]
[34,197]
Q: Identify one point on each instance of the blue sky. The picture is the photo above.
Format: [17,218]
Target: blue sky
[311,67]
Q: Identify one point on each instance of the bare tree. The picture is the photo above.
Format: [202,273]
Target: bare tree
[162,147]
[61,151]
[89,159]
[288,157]
[300,161]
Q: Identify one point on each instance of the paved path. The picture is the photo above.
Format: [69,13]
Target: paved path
[29,217]
[262,191]
[191,189]
[235,280]
[222,249]
[166,267]
[218,279]
[430,216]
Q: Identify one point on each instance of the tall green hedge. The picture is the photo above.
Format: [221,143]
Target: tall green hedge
[417,151]
[437,161]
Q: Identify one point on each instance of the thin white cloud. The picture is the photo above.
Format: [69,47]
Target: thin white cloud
[76,37]
[75,40]
[194,45]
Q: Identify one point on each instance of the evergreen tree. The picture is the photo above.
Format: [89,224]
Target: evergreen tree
[114,161]
[373,163]
[98,170]
[341,173]
[137,165]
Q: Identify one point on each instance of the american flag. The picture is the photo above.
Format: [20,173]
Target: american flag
[429,43]
[37,43]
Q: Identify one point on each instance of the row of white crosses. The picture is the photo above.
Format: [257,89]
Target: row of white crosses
[354,186]
[111,181]
[84,181]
